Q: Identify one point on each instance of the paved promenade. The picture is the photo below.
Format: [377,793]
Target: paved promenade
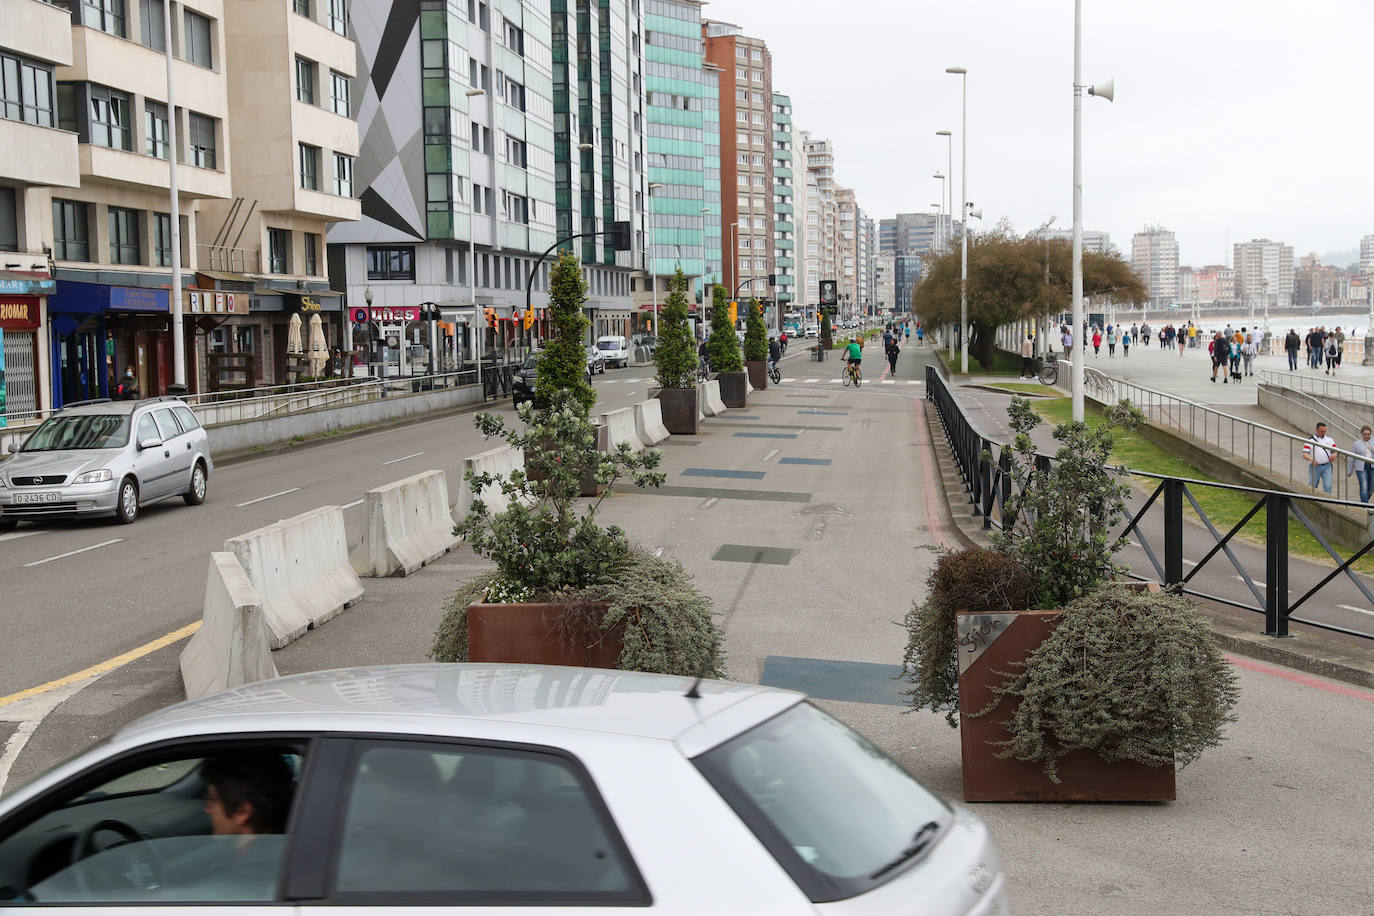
[812,519]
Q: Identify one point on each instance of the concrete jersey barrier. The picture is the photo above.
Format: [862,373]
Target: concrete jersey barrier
[408,526]
[714,406]
[231,647]
[300,569]
[621,427]
[649,422]
[499,461]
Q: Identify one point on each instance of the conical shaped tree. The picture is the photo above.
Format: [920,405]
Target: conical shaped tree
[676,354]
[723,347]
[564,363]
[755,333]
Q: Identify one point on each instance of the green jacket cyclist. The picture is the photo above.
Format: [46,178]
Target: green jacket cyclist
[854,354]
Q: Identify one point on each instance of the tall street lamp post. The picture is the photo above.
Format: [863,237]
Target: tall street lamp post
[1106,91]
[963,215]
[940,218]
[174,220]
[653,274]
[949,154]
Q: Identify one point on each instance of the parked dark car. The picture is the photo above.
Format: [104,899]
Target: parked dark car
[522,386]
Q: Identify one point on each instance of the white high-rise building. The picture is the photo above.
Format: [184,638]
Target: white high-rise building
[1264,273]
[1367,256]
[1154,255]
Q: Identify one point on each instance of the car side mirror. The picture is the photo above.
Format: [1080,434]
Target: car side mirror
[12,448]
[150,442]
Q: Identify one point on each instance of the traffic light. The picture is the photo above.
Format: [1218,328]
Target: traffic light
[529,319]
[734,312]
[620,235]
[491,318]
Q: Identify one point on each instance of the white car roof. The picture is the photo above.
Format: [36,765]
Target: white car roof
[468,699]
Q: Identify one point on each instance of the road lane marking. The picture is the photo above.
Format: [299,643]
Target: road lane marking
[356,502]
[770,455]
[16,535]
[1299,678]
[267,497]
[104,667]
[72,553]
[812,381]
[887,381]
[1358,610]
[402,458]
[710,502]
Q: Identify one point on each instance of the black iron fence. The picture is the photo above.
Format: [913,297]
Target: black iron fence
[1178,553]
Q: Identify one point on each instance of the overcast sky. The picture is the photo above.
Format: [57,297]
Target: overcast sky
[1233,119]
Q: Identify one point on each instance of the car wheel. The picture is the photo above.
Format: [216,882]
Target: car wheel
[195,495]
[126,510]
[8,524]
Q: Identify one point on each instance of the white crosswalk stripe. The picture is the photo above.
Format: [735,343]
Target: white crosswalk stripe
[887,381]
[812,381]
[837,381]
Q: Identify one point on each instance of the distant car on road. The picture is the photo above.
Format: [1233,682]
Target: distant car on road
[522,386]
[596,363]
[813,330]
[615,349]
[106,457]
[440,787]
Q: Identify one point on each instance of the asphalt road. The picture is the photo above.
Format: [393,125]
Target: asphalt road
[75,594]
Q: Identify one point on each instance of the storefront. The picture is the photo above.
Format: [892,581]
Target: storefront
[21,331]
[218,366]
[281,357]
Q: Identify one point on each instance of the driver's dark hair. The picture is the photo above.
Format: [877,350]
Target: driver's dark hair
[260,778]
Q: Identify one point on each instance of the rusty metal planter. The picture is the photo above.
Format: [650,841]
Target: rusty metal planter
[680,410]
[541,634]
[758,373]
[990,646]
[732,388]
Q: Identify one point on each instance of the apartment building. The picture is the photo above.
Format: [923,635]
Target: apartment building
[868,241]
[822,215]
[487,138]
[1264,273]
[294,145]
[918,234]
[884,283]
[683,150]
[1214,284]
[1154,255]
[786,206]
[847,255]
[40,158]
[745,81]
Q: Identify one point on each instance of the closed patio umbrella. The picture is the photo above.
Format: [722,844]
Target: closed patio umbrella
[319,351]
[293,335]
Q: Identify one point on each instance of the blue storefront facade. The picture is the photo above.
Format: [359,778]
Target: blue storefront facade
[96,330]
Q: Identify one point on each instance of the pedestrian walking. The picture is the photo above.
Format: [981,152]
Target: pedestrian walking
[1097,342]
[1183,338]
[1364,470]
[1292,343]
[1333,354]
[1217,349]
[1066,339]
[1111,341]
[1315,453]
[1247,354]
[892,351]
[1233,356]
[1126,342]
[1028,357]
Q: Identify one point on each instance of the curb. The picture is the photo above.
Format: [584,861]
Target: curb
[1308,651]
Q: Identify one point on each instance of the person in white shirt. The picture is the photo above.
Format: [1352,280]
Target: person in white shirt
[1028,357]
[1364,469]
[1314,451]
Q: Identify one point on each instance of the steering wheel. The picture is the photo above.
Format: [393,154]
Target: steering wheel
[141,867]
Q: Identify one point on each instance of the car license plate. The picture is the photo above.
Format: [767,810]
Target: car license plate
[22,499]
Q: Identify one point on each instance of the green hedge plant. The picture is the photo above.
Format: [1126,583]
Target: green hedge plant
[676,353]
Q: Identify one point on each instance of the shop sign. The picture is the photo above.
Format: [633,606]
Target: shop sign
[19,314]
[38,286]
[363,314]
[214,302]
[309,304]
[134,299]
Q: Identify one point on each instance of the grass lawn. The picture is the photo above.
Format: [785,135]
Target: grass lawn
[1003,363]
[1029,387]
[1224,507]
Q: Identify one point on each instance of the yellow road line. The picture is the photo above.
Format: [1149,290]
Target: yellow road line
[104,667]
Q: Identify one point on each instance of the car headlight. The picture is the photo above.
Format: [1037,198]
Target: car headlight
[99,476]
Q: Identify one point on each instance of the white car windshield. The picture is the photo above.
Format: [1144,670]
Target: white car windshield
[608,345]
[88,431]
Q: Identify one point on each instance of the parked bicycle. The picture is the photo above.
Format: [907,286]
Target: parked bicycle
[1049,372]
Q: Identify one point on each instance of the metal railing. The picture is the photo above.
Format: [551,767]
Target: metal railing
[1348,427]
[1254,443]
[1322,386]
[1159,538]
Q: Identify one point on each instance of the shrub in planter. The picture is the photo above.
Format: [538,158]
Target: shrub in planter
[675,356]
[1125,674]
[979,580]
[723,347]
[755,333]
[1061,519]
[564,363]
[667,624]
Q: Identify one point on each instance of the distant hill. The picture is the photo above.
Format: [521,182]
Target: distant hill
[1342,258]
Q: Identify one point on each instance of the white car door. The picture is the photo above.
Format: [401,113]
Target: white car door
[180,452]
[154,464]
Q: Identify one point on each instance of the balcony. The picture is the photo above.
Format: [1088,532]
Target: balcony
[37,30]
[102,165]
[39,155]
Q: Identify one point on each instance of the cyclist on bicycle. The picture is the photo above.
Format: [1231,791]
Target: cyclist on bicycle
[854,353]
[774,353]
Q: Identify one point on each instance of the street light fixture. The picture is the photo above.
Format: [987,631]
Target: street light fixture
[734,254]
[371,328]
[963,207]
[653,275]
[477,326]
[948,208]
[1106,91]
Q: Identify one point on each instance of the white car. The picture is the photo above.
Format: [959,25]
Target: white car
[615,350]
[467,788]
[813,330]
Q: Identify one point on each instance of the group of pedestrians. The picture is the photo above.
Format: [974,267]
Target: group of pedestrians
[1233,353]
[1317,452]
[1324,348]
[1115,334]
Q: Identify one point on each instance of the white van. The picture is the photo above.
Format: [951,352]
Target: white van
[615,350]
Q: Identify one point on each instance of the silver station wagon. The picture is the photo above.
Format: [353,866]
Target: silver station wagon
[106,458]
[474,788]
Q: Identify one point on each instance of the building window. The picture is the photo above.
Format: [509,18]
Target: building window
[312,254]
[513,36]
[758,76]
[305,81]
[338,16]
[741,73]
[517,209]
[70,231]
[338,93]
[124,236]
[26,91]
[517,152]
[152,26]
[162,240]
[195,40]
[391,263]
[9,220]
[302,7]
[200,140]
[741,95]
[155,129]
[343,175]
[110,118]
[278,251]
[105,15]
[310,167]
